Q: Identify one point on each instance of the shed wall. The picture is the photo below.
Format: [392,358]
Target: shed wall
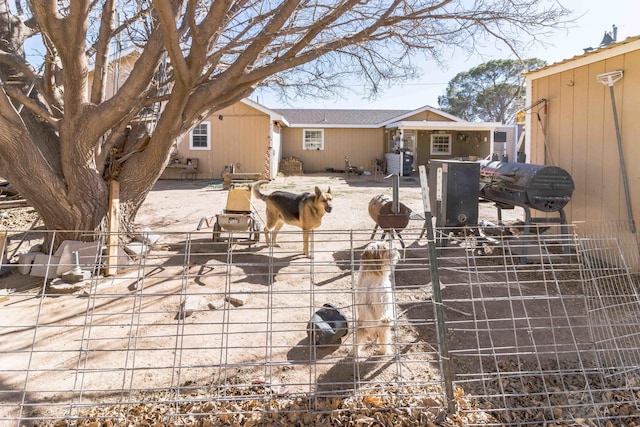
[581,136]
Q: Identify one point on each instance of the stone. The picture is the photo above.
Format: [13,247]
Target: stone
[44,266]
[239,298]
[216,304]
[59,287]
[137,248]
[190,305]
[76,275]
[25,261]
[87,255]
[147,237]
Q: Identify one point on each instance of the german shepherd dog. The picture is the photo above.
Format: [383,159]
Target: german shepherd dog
[301,210]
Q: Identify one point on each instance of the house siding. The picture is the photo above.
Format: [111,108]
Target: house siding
[241,138]
[360,145]
[581,135]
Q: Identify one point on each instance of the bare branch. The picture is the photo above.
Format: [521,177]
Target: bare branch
[31,105]
[166,15]
[102,51]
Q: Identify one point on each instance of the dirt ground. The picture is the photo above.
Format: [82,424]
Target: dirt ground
[196,326]
[270,328]
[179,205]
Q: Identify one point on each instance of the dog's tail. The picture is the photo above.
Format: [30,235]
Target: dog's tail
[255,187]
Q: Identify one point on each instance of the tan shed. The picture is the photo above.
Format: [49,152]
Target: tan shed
[570,123]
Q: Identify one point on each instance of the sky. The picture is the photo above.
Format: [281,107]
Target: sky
[592,19]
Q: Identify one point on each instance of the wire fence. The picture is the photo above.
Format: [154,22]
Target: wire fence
[541,328]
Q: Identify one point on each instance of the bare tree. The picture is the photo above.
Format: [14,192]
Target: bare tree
[62,139]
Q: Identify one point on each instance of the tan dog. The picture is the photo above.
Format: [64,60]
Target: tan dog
[301,210]
[374,296]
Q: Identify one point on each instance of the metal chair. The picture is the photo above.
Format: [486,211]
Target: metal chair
[348,169]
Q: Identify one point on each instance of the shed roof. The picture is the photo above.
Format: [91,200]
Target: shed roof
[594,55]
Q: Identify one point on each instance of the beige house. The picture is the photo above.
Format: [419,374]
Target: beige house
[322,138]
[570,124]
[250,138]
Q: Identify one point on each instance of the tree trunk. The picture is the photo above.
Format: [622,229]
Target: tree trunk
[74,205]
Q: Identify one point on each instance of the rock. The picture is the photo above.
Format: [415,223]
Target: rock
[136,248]
[25,260]
[190,305]
[60,287]
[239,298]
[216,304]
[76,275]
[147,237]
[87,255]
[44,266]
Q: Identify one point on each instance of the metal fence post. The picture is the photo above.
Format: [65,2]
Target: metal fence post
[437,294]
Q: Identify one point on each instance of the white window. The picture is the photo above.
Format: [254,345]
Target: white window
[313,139]
[200,137]
[440,144]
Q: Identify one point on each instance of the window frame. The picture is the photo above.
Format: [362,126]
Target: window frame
[208,136]
[305,147]
[449,144]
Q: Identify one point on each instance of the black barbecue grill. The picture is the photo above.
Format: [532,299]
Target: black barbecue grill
[541,187]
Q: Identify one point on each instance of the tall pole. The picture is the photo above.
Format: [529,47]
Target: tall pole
[608,79]
[437,294]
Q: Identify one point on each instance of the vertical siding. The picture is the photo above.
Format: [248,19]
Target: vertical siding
[578,109]
[628,104]
[360,145]
[595,144]
[240,138]
[582,139]
[538,118]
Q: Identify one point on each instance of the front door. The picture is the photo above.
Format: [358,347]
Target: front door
[423,145]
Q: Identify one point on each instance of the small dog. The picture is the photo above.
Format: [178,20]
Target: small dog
[374,296]
[301,210]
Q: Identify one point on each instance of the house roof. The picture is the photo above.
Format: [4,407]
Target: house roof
[627,45]
[341,118]
[299,117]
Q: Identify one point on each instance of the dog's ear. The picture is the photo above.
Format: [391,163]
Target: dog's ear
[318,192]
[329,190]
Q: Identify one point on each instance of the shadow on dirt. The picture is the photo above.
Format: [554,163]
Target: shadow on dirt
[305,353]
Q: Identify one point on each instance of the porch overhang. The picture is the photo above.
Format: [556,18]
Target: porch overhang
[441,125]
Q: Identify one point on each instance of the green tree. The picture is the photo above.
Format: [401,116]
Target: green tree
[490,92]
[62,139]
